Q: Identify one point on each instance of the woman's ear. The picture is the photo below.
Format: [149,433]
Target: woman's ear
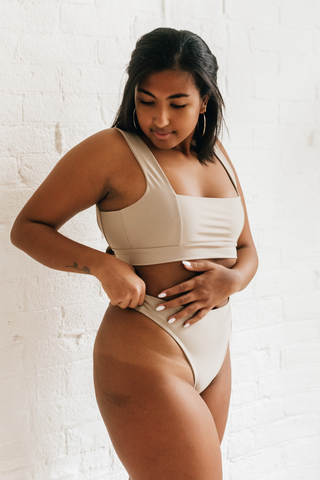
[204,103]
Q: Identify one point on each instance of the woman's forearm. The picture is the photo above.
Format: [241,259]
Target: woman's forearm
[245,268]
[54,250]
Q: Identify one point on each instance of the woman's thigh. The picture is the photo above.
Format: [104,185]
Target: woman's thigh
[160,426]
[217,396]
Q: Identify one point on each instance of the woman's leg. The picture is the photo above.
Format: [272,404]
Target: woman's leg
[217,396]
[159,425]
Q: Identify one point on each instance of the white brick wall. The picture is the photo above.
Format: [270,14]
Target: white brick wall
[61,75]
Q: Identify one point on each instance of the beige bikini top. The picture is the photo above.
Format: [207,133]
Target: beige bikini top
[164,227]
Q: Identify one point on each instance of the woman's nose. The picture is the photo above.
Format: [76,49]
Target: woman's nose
[161,118]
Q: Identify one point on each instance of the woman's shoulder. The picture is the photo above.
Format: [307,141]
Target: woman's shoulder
[109,140]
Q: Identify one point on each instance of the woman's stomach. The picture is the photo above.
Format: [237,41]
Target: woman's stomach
[166,275]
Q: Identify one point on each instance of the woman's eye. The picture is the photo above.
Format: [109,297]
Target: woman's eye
[178,106]
[145,103]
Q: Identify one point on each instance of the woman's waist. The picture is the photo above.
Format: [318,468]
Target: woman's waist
[166,275]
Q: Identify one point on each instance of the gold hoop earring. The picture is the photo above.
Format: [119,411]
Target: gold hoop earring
[134,119]
[204,124]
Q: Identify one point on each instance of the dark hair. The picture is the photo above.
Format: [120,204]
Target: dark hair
[170,49]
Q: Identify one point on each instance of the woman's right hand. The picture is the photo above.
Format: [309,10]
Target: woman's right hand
[120,282]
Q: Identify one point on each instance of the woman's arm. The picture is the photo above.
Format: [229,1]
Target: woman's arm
[79,180]
[216,283]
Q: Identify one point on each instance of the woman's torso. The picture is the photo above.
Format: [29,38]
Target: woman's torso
[187,177]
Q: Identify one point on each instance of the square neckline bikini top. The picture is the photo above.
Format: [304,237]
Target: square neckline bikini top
[163,227]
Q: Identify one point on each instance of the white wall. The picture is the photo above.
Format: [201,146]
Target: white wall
[62,64]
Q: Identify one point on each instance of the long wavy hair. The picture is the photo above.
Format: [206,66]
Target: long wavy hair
[181,50]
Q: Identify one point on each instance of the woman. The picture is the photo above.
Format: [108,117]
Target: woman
[171,207]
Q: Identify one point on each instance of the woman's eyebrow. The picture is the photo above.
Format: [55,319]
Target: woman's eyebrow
[176,95]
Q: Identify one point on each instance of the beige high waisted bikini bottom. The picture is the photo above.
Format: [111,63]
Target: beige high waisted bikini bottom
[204,343]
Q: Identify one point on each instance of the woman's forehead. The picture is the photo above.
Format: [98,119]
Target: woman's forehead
[169,81]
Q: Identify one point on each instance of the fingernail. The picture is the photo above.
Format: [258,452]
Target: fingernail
[171,320]
[186,325]
[187,264]
[161,307]
[162,295]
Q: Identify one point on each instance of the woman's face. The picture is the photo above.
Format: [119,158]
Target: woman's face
[168,105]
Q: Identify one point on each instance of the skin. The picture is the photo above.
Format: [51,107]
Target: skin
[160,426]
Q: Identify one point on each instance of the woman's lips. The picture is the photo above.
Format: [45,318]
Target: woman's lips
[162,135]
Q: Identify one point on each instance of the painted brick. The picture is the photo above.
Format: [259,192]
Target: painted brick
[279,88]
[115,52]
[10,297]
[56,291]
[25,78]
[10,14]
[280,383]
[11,360]
[300,403]
[82,79]
[15,456]
[266,461]
[40,18]
[99,21]
[86,436]
[287,41]
[239,87]
[241,443]
[254,314]
[294,65]
[13,427]
[9,172]
[296,113]
[266,63]
[258,12]
[63,413]
[13,201]
[293,428]
[33,168]
[52,382]
[140,22]
[306,330]
[245,112]
[42,48]
[297,17]
[310,302]
[238,38]
[260,413]
[9,45]
[11,109]
[31,139]
[297,356]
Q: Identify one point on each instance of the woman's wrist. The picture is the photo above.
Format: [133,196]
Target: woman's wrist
[102,266]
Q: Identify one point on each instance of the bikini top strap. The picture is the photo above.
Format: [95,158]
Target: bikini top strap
[224,162]
[145,159]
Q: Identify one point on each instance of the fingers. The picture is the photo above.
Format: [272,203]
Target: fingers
[177,302]
[199,265]
[199,315]
[178,289]
[131,299]
[193,311]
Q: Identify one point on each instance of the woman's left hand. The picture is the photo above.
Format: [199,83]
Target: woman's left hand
[201,293]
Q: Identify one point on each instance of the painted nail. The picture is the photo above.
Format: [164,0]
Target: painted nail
[171,320]
[186,325]
[187,264]
[161,307]
[162,295]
